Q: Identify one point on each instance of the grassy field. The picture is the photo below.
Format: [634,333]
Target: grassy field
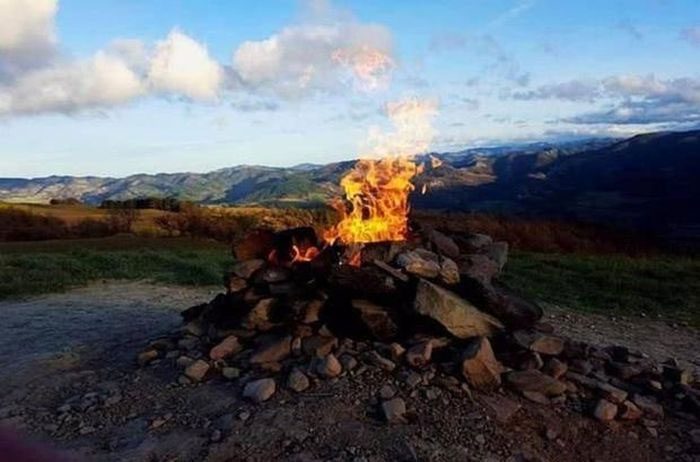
[665,286]
[29,268]
[661,286]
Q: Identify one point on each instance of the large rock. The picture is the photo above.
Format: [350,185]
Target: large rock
[479,267]
[456,315]
[274,351]
[444,244]
[376,319]
[227,347]
[479,365]
[420,263]
[534,380]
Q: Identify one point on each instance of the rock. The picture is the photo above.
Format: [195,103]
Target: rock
[629,411]
[394,410]
[259,317]
[449,272]
[529,360]
[456,315]
[227,347]
[296,346]
[329,366]
[386,392]
[348,362]
[498,252]
[649,407]
[510,309]
[396,351]
[198,370]
[245,269]
[380,361]
[539,343]
[413,379]
[193,328]
[476,241]
[605,411]
[234,284]
[419,355]
[146,357]
[184,361]
[612,393]
[259,390]
[188,342]
[444,244]
[312,311]
[376,319]
[478,267]
[533,380]
[231,373]
[479,365]
[536,397]
[555,368]
[318,345]
[297,381]
[419,264]
[273,351]
[582,380]
[503,408]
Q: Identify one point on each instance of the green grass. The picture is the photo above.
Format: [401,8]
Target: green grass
[664,286]
[28,268]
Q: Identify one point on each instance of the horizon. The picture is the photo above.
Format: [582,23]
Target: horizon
[123,88]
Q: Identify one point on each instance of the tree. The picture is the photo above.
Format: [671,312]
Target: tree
[121,220]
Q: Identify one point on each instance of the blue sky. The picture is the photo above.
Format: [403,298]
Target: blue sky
[118,87]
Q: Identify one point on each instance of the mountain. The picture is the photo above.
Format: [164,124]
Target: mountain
[648,182]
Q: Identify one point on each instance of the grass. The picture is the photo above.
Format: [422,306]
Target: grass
[29,268]
[664,286]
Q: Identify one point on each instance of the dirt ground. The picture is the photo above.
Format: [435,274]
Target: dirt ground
[68,380]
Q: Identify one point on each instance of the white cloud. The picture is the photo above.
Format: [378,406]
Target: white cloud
[307,58]
[181,65]
[27,35]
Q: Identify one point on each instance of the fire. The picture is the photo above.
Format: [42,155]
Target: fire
[377,188]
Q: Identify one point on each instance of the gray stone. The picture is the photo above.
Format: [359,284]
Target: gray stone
[444,244]
[297,381]
[394,410]
[419,264]
[259,390]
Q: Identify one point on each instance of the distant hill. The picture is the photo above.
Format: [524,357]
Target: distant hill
[648,182]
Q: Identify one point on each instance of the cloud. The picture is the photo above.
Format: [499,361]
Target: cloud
[574,90]
[27,34]
[691,35]
[182,66]
[316,57]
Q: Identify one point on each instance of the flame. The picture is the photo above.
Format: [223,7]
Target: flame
[376,189]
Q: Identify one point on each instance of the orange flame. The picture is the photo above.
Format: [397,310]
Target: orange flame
[376,190]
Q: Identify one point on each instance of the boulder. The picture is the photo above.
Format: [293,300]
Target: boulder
[480,367]
[273,351]
[456,315]
[227,347]
[376,319]
[259,390]
[478,267]
[534,380]
[421,264]
[444,244]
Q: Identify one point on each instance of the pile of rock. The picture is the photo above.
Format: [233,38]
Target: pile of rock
[408,309]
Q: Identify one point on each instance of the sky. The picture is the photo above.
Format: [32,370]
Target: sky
[116,87]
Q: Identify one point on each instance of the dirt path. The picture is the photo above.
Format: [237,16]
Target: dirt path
[67,377]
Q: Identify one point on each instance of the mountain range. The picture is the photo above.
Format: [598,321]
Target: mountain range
[649,182]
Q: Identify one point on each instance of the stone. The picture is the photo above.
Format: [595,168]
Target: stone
[611,393]
[259,390]
[419,355]
[444,244]
[629,411]
[449,272]
[236,284]
[555,368]
[503,408]
[184,361]
[376,319]
[456,315]
[227,347]
[419,264]
[394,410]
[318,345]
[273,351]
[329,366]
[396,351]
[413,379]
[193,328]
[297,381]
[478,267]
[498,252]
[649,407]
[480,367]
[536,397]
[312,311]
[529,360]
[296,346]
[605,411]
[347,361]
[245,269]
[231,373]
[198,370]
[380,361]
[259,317]
[580,379]
[386,392]
[534,380]
[188,342]
[477,241]
[540,343]
[146,357]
